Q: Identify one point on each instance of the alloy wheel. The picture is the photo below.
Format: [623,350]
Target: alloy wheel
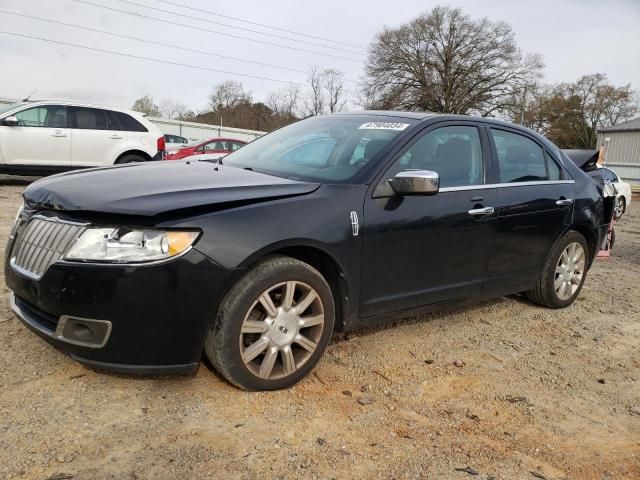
[569,271]
[619,207]
[281,330]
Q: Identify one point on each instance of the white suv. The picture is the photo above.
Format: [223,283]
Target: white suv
[48,137]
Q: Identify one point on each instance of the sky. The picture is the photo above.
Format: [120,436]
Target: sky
[575,37]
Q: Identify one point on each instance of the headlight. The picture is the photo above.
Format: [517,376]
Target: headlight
[16,222]
[124,245]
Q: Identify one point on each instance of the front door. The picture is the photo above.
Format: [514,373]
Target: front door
[420,250]
[42,137]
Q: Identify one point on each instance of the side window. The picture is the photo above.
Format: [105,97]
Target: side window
[235,146]
[50,116]
[520,159]
[89,119]
[123,122]
[552,168]
[454,152]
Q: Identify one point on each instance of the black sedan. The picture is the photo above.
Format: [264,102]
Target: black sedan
[328,224]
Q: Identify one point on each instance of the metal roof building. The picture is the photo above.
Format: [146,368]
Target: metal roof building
[622,149]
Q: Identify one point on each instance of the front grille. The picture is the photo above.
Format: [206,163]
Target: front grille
[42,243]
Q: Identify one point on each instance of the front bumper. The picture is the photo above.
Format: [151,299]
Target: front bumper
[157,315]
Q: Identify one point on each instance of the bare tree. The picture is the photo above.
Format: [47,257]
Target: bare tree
[315,100]
[443,61]
[335,91]
[172,109]
[285,102]
[228,94]
[147,106]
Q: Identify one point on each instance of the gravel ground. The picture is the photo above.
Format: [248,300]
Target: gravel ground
[503,390]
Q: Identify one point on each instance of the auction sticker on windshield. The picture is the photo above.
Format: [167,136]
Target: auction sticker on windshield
[383,126]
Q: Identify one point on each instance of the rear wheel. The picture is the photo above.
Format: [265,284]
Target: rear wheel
[132,158]
[273,326]
[563,274]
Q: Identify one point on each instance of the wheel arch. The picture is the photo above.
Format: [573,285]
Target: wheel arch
[319,258]
[140,153]
[587,232]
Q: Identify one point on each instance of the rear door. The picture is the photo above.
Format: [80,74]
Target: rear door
[535,198]
[41,138]
[93,143]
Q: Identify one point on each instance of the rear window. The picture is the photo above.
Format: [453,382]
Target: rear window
[520,159]
[123,122]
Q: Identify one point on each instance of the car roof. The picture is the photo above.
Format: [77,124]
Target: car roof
[216,139]
[390,113]
[432,115]
[68,103]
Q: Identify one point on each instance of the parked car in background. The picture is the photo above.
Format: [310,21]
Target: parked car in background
[221,146]
[175,142]
[328,224]
[40,138]
[616,188]
[622,190]
[207,157]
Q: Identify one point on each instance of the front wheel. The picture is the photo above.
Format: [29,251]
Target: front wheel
[272,326]
[563,274]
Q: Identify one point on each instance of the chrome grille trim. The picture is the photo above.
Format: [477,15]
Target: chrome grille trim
[41,243]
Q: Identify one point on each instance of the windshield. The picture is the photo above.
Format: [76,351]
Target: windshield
[329,149]
[6,108]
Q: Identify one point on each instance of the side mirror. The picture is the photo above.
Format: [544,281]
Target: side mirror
[415,182]
[10,121]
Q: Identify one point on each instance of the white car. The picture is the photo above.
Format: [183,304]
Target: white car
[40,138]
[622,191]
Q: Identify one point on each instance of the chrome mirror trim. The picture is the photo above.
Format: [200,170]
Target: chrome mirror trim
[415,182]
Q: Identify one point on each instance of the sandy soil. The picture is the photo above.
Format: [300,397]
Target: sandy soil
[541,394]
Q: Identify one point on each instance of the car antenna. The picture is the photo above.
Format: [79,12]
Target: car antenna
[29,96]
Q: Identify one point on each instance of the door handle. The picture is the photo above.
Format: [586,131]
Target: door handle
[482,211]
[58,133]
[116,137]
[563,202]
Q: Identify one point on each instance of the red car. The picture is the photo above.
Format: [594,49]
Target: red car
[213,145]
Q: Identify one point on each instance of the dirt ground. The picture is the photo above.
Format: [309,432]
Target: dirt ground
[539,394]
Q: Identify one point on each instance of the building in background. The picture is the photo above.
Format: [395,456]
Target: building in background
[190,130]
[622,149]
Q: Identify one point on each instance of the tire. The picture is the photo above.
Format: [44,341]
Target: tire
[131,158]
[620,207]
[545,292]
[243,325]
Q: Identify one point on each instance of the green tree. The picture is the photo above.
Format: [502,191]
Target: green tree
[147,106]
[570,113]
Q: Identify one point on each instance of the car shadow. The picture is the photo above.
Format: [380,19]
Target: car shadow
[10,180]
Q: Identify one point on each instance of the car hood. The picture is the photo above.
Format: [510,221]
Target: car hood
[158,187]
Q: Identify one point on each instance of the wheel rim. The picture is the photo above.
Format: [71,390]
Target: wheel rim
[619,209]
[281,330]
[569,271]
